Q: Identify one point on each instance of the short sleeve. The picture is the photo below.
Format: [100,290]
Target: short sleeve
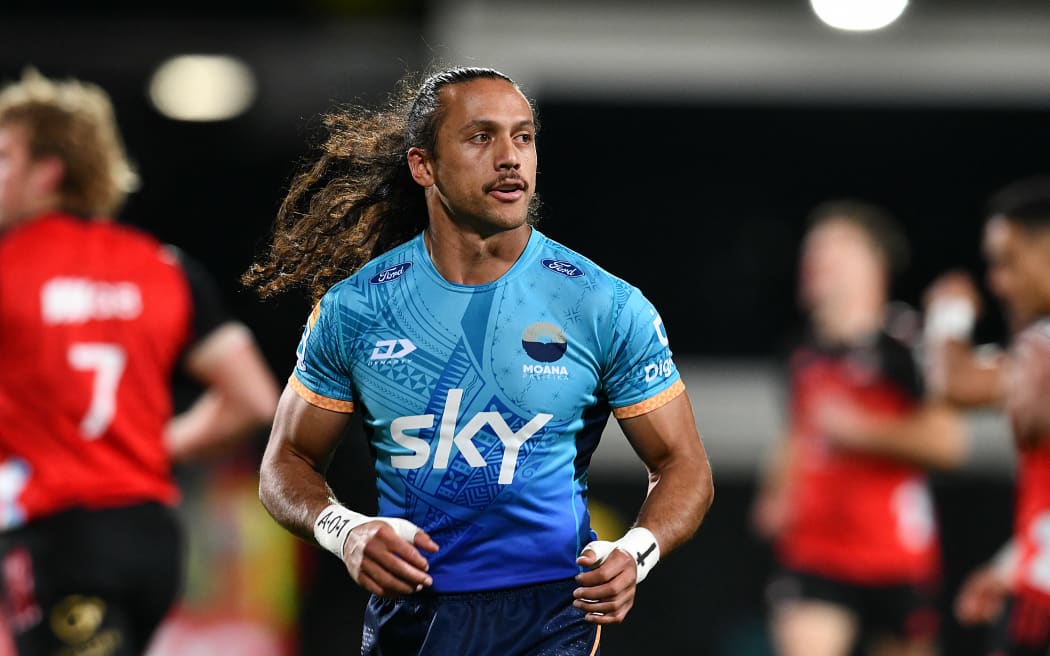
[209,310]
[640,375]
[321,375]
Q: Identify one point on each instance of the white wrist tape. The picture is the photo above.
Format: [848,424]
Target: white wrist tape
[1004,563]
[950,318]
[639,543]
[335,522]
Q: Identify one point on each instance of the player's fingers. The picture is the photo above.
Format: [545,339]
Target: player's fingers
[389,584]
[605,590]
[400,559]
[425,542]
[614,617]
[366,582]
[408,552]
[617,565]
[606,606]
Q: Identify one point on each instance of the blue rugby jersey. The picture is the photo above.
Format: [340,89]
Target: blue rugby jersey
[484,403]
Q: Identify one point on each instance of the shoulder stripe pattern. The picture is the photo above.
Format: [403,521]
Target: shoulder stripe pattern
[323,402]
[650,404]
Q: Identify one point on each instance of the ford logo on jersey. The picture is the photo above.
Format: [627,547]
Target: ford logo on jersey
[390,273]
[564,268]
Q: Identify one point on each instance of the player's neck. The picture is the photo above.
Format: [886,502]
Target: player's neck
[466,257]
[32,211]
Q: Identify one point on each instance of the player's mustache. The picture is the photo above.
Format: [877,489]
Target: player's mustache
[508,179]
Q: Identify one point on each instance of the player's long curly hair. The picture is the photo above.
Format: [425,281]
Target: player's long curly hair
[358,200]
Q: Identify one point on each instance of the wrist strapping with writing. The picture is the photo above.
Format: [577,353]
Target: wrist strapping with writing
[335,522]
[639,543]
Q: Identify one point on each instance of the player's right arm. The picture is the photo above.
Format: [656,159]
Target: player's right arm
[293,490]
[956,371]
[770,510]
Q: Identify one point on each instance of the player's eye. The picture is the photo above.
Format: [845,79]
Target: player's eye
[525,137]
[480,137]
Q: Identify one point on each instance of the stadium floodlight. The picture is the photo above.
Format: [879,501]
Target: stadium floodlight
[858,15]
[202,88]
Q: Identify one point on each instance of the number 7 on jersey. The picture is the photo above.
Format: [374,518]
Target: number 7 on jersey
[107,362]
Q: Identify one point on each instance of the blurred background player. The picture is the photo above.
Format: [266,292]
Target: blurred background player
[1017,250]
[846,499]
[94,319]
[485,359]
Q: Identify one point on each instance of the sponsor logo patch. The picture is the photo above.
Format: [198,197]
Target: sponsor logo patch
[544,342]
[390,274]
[391,349]
[567,269]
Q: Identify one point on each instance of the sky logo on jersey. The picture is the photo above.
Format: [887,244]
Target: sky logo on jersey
[391,349]
[449,434]
[390,274]
[567,269]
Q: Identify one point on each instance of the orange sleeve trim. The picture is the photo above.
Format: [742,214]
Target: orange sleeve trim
[316,312]
[650,404]
[597,640]
[313,398]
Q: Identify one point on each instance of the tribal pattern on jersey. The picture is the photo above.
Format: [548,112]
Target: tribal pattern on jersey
[483,404]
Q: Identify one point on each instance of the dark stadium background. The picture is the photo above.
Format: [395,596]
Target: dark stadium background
[698,200]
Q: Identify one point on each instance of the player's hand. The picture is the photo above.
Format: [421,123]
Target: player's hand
[1027,384]
[606,593]
[981,597]
[953,285]
[770,513]
[384,563]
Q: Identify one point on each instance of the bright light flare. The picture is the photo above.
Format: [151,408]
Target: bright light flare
[859,15]
[202,88]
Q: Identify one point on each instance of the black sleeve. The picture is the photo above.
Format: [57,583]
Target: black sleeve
[900,367]
[209,311]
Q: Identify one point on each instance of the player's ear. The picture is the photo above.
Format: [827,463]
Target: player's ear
[47,174]
[421,166]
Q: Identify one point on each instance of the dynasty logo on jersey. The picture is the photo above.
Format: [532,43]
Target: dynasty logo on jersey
[463,438]
[391,349]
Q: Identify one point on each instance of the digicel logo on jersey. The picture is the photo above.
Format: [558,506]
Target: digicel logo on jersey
[462,438]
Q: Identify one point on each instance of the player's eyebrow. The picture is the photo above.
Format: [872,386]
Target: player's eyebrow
[490,124]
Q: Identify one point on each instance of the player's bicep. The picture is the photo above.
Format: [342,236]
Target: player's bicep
[666,435]
[304,430]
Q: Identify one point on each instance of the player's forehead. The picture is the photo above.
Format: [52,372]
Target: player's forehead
[836,231]
[490,101]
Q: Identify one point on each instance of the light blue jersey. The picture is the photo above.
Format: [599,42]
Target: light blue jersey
[484,403]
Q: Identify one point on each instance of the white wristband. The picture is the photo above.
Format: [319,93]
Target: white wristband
[950,318]
[335,522]
[638,543]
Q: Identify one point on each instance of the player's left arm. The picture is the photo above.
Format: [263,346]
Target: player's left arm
[240,394]
[680,493]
